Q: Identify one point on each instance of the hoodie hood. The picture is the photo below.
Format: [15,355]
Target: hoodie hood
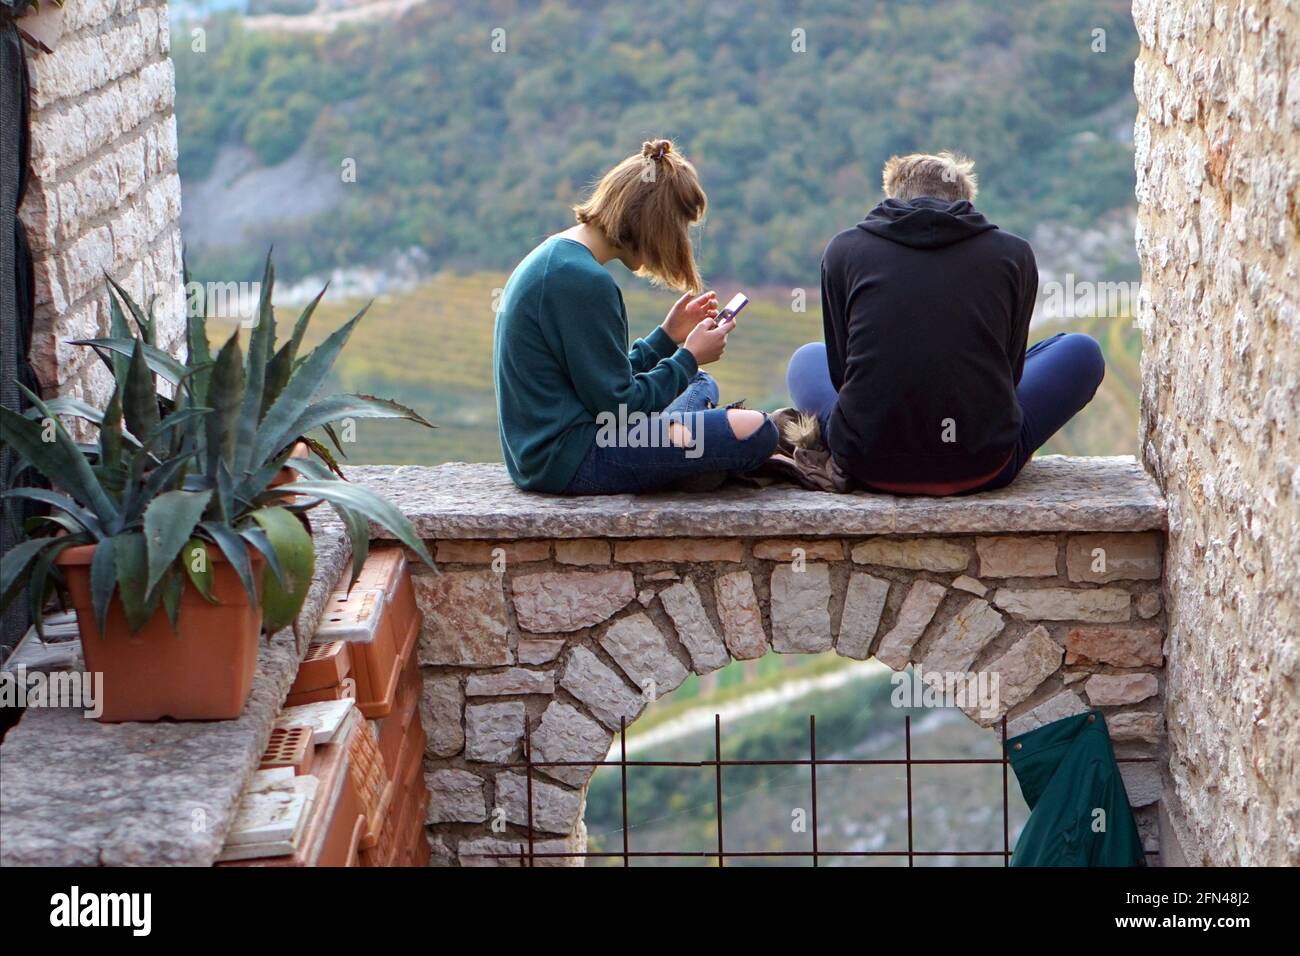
[925,223]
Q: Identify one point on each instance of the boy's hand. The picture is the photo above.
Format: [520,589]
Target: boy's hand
[708,341]
[687,313]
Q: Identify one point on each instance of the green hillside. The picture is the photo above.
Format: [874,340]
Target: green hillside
[859,808]
[789,109]
[431,348]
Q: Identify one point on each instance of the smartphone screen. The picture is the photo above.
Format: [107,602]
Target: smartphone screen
[732,308]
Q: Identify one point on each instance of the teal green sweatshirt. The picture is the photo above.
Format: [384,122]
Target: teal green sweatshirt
[560,358]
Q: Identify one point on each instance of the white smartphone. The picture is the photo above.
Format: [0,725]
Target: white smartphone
[732,308]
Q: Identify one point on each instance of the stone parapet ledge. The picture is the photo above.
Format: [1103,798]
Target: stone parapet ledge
[75,792]
[556,614]
[1053,493]
[563,617]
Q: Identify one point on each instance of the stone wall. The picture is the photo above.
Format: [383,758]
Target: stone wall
[1218,164]
[104,196]
[572,637]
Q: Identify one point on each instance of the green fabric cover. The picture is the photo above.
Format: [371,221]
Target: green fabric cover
[1079,811]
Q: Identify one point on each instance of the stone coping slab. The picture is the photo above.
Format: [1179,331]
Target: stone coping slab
[75,792]
[1053,493]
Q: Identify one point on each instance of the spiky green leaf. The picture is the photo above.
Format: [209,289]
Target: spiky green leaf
[160,363]
[140,396]
[84,518]
[131,558]
[225,389]
[198,567]
[236,552]
[103,578]
[277,428]
[283,598]
[336,408]
[169,522]
[60,460]
[365,501]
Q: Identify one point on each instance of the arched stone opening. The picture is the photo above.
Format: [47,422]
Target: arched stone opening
[561,640]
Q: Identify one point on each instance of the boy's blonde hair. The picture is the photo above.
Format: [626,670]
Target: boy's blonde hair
[647,204]
[943,176]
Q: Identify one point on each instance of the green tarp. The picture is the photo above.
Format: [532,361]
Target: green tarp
[1079,811]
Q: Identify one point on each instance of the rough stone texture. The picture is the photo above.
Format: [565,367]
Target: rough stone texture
[1100,558]
[565,733]
[516,680]
[493,731]
[1136,726]
[582,551]
[464,618]
[493,852]
[1065,703]
[1117,689]
[641,649]
[1218,164]
[1022,669]
[1148,605]
[1119,646]
[549,602]
[539,650]
[864,603]
[741,616]
[489,852]
[678,550]
[149,793]
[441,707]
[604,692]
[918,608]
[490,552]
[920,554]
[694,629]
[1142,783]
[455,796]
[555,809]
[962,638]
[104,194]
[1017,557]
[788,549]
[1053,493]
[964,582]
[1065,604]
[801,618]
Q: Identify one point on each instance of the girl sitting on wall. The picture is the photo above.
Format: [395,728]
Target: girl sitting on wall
[580,413]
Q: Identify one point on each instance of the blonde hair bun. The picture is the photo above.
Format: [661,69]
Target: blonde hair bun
[646,205]
[656,148]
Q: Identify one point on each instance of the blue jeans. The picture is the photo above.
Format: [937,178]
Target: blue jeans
[1061,376]
[630,468]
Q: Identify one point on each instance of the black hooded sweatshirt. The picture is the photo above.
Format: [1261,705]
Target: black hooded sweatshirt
[926,308]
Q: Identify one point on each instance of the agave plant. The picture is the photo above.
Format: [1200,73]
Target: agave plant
[185,459]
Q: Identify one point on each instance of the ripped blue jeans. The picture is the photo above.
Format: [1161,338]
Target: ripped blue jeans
[636,466]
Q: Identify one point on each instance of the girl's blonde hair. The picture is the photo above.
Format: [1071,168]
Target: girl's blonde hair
[647,204]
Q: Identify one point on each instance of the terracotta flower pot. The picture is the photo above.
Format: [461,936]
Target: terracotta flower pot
[203,670]
[286,474]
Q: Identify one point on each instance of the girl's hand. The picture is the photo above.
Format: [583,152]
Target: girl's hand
[707,341]
[687,313]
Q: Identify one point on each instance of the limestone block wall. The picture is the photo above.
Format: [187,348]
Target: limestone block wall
[104,194]
[571,637]
[1218,167]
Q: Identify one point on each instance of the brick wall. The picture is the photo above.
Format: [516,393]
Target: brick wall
[1218,164]
[104,195]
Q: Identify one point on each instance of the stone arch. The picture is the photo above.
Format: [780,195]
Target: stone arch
[565,639]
